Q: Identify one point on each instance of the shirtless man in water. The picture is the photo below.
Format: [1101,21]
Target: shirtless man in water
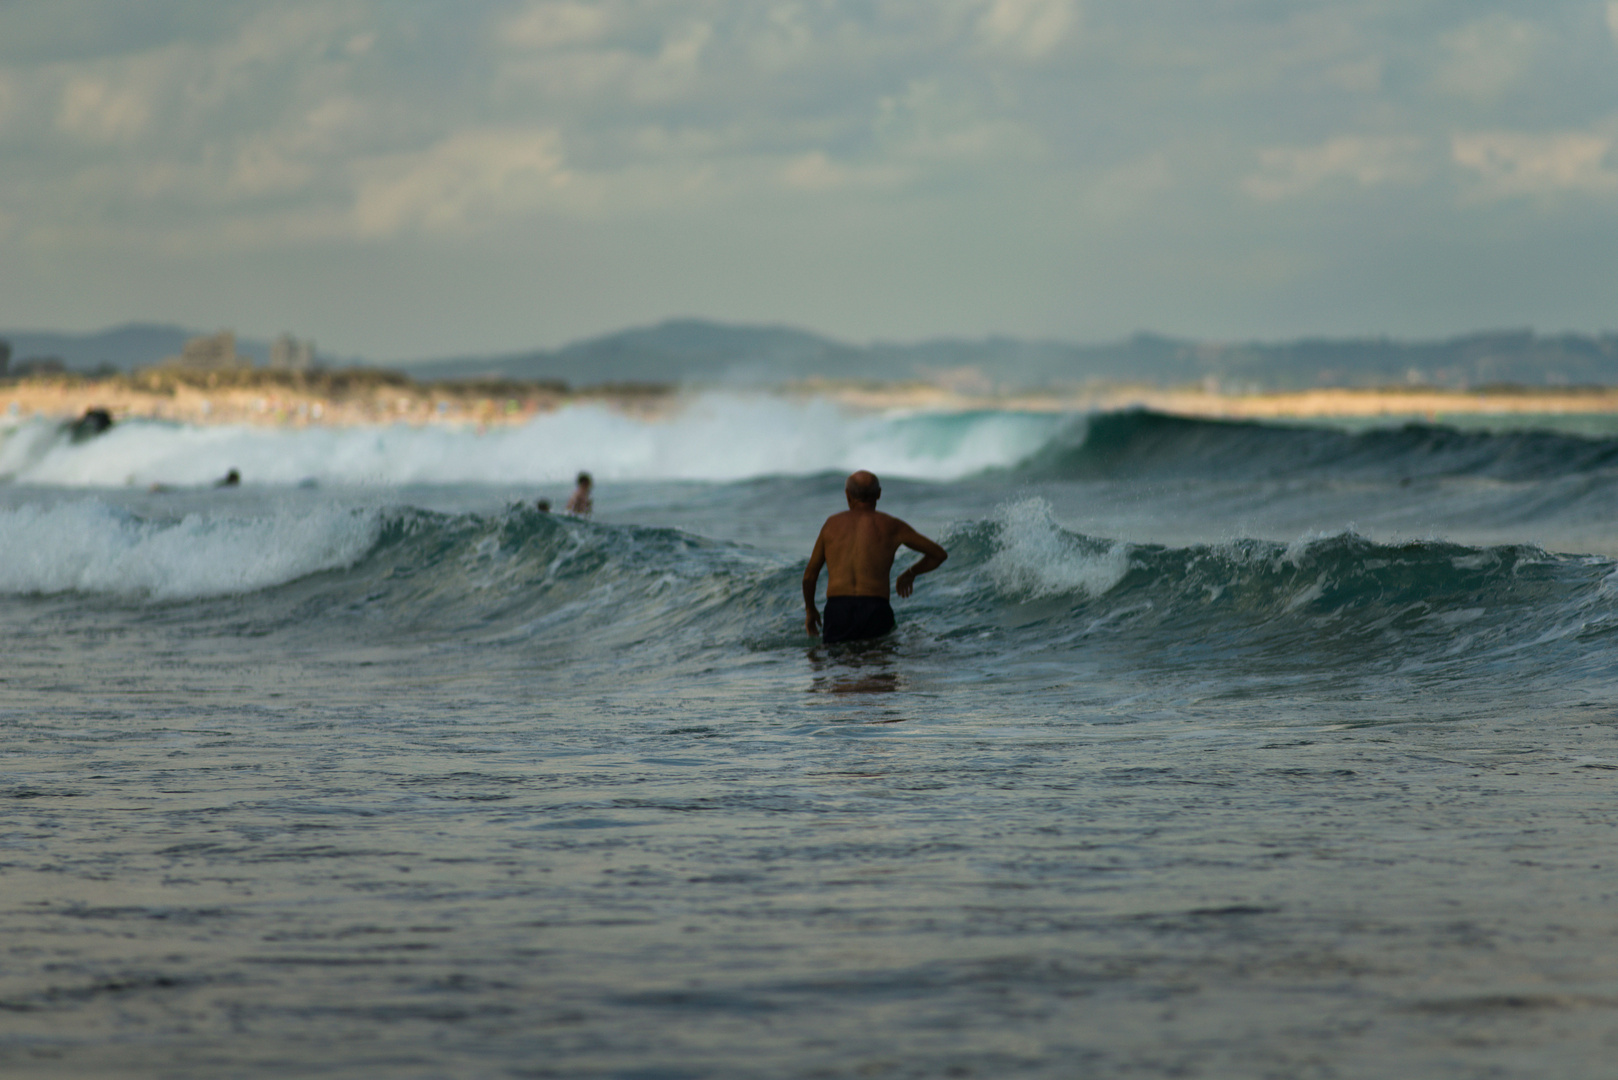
[579,504]
[858,546]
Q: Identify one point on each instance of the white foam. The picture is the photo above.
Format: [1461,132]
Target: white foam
[88,546]
[1035,558]
[1302,546]
[712,437]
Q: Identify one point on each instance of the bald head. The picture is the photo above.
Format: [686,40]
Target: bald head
[863,487]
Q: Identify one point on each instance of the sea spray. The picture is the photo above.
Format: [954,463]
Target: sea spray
[509,787]
[518,578]
[715,436]
[87,546]
[1034,557]
[723,437]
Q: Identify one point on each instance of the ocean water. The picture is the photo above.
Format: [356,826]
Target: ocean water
[1214,750]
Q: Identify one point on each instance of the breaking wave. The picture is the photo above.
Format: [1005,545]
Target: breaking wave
[1142,443]
[710,437]
[727,437]
[90,547]
[1017,578]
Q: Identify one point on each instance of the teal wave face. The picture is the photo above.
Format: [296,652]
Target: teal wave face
[541,588]
[1141,443]
[524,581]
[1334,601]
[523,577]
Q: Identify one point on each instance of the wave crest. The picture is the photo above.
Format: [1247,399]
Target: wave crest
[1016,579]
[1034,557]
[721,437]
[88,546]
[1141,443]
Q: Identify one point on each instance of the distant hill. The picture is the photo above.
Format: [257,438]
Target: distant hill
[1469,361]
[694,351]
[677,351]
[125,348]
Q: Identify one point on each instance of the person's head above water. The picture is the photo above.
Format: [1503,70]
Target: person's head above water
[580,503]
[862,487]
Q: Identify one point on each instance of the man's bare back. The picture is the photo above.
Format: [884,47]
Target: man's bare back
[857,548]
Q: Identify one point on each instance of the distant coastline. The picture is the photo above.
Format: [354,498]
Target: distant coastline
[371,397]
[1395,402]
[702,352]
[356,397]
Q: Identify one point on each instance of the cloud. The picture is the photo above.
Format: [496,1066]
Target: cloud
[1076,132]
[815,172]
[299,149]
[97,110]
[470,182]
[679,63]
[930,124]
[1514,164]
[265,166]
[1359,76]
[550,25]
[1488,57]
[784,40]
[600,74]
[1131,188]
[8,99]
[1030,28]
[190,95]
[1292,51]
[1368,162]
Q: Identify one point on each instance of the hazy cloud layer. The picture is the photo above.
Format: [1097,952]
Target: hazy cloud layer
[402,176]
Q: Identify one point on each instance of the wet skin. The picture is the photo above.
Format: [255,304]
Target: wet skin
[857,548]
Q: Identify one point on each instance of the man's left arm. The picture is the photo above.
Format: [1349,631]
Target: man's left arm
[932,557]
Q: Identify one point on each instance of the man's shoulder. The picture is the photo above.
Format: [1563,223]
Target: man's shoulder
[870,515]
[851,521]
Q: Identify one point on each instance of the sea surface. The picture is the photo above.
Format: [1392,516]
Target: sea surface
[1214,750]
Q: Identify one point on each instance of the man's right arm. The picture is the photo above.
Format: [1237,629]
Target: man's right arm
[811,578]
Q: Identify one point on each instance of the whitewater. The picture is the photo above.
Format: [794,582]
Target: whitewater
[709,437]
[1215,749]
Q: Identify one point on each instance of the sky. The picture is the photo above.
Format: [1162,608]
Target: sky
[402,179]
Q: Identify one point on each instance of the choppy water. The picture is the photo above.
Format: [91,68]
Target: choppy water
[1214,750]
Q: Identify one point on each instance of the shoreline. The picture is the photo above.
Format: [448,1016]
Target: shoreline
[362,398]
[379,398]
[1327,403]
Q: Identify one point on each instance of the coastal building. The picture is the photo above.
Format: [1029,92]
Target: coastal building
[287,353]
[210,352]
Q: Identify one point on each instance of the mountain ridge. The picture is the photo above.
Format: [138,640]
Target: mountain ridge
[700,351]
[691,350]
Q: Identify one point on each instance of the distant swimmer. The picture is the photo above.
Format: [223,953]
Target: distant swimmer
[230,479]
[91,424]
[857,548]
[543,506]
[579,503]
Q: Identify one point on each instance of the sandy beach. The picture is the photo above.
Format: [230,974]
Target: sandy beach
[1420,402]
[369,397]
[286,399]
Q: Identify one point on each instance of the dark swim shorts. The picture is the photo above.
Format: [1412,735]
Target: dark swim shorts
[853,618]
